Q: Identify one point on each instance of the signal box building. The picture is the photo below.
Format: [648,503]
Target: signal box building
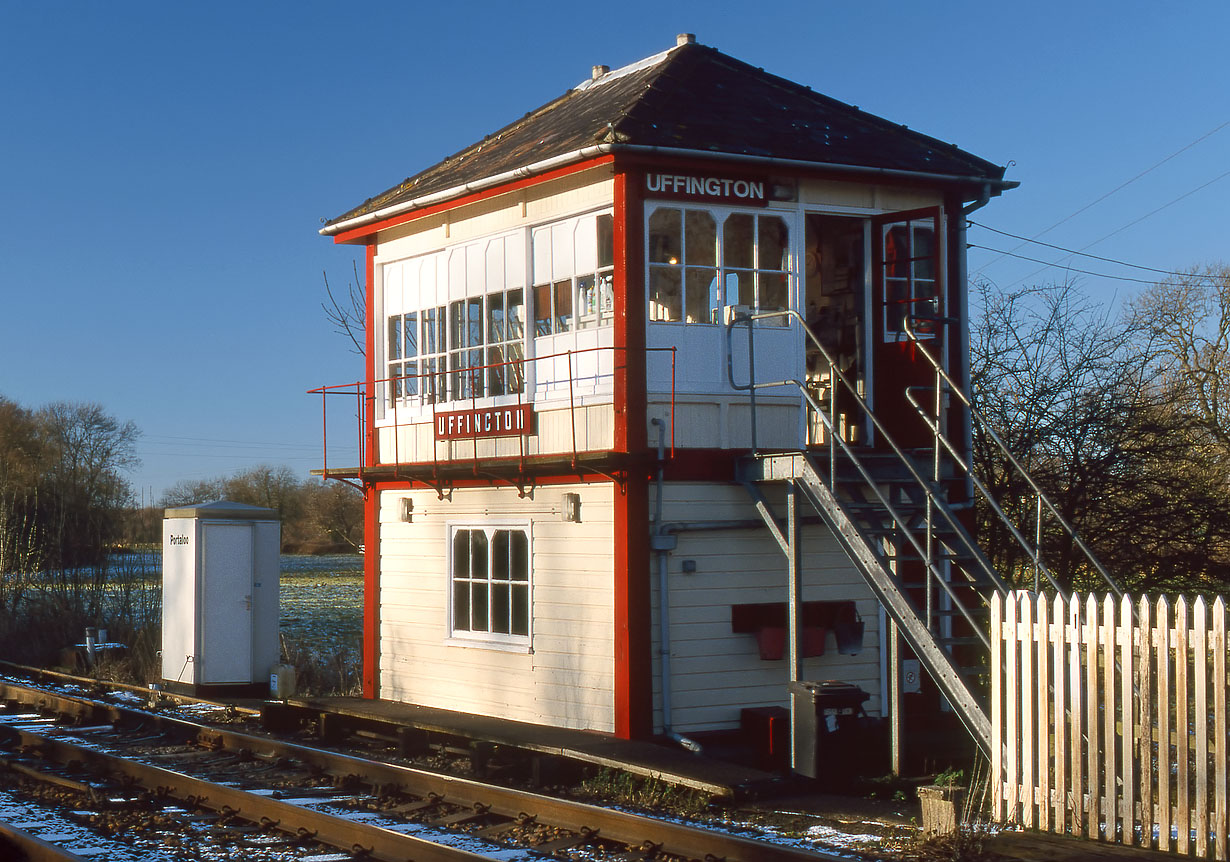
[578,513]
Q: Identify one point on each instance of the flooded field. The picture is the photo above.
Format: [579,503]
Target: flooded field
[321,596]
[322,600]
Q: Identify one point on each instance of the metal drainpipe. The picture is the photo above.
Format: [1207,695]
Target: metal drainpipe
[664,625]
[964,378]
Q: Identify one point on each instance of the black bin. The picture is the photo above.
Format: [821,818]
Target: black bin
[825,721]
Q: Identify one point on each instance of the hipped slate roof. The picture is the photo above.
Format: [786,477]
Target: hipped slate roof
[692,98]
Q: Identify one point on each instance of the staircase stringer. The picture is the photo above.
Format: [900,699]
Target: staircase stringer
[897,605]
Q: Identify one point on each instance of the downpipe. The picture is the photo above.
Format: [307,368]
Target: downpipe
[662,542]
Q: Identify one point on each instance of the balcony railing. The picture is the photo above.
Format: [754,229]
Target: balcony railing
[405,410]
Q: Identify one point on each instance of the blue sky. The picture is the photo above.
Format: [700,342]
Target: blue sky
[165,166]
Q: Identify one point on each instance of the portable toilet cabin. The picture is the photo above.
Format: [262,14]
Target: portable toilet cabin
[220,569]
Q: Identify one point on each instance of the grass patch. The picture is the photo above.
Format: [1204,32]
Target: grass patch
[614,787]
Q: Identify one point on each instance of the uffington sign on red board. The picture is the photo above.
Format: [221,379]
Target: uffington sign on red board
[485,422]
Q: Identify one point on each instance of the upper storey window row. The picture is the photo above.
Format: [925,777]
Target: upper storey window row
[455,320]
[700,261]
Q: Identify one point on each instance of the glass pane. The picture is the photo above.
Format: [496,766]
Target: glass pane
[497,372]
[412,335]
[395,381]
[461,606]
[477,372]
[499,608]
[606,241]
[701,295]
[773,243]
[519,556]
[665,294]
[738,235]
[896,251]
[461,554]
[700,240]
[429,331]
[587,301]
[563,305]
[924,241]
[515,320]
[774,294]
[456,324]
[495,317]
[499,555]
[542,309]
[664,236]
[741,288]
[478,554]
[520,611]
[478,606]
[606,293]
[514,374]
[460,387]
[395,340]
[474,323]
[411,382]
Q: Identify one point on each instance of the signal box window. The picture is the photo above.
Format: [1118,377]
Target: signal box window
[491,584]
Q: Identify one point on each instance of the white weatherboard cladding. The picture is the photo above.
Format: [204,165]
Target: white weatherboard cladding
[715,673]
[566,678]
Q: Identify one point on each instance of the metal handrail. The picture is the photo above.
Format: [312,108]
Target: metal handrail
[1041,499]
[924,553]
[365,390]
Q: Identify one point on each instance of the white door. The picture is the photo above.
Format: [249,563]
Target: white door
[226,602]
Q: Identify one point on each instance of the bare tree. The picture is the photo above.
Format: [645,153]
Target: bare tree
[348,315]
[1188,317]
[1083,401]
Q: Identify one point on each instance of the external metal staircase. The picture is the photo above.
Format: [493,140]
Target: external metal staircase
[902,516]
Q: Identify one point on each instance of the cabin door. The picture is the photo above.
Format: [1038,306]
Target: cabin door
[908,290]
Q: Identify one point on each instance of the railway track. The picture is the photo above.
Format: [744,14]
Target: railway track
[264,794]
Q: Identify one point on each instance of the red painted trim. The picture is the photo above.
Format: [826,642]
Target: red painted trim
[371,592]
[371,503]
[629,335]
[633,696]
[633,666]
[539,481]
[363,233]
[373,437]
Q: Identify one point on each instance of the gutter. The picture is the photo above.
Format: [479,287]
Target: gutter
[587,153]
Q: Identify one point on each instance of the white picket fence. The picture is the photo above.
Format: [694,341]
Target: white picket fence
[1109,719]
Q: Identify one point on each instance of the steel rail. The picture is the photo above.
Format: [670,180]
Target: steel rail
[634,830]
[374,842]
[17,845]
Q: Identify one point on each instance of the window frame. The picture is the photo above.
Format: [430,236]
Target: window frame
[450,383]
[724,272]
[507,642]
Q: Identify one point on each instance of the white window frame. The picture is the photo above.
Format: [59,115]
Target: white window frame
[726,275]
[591,289]
[489,639]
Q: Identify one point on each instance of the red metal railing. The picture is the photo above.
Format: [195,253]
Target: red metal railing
[470,378]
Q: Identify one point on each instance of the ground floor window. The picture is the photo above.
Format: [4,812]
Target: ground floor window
[490,568]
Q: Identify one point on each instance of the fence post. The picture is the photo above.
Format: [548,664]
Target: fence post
[1127,723]
[1146,679]
[998,601]
[1164,811]
[1200,669]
